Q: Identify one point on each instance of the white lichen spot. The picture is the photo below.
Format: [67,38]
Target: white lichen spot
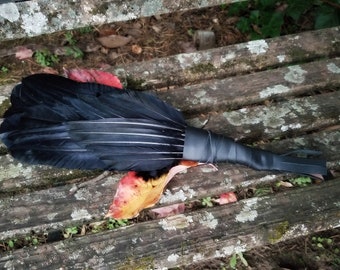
[107,249]
[200,93]
[265,179]
[173,258]
[79,214]
[197,257]
[82,194]
[274,90]
[257,46]
[34,21]
[75,254]
[16,170]
[173,223]
[333,68]
[207,219]
[228,57]
[284,128]
[51,216]
[248,212]
[187,60]
[266,116]
[296,231]
[182,195]
[10,12]
[295,74]
[281,58]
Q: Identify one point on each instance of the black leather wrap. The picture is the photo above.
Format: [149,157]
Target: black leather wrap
[207,147]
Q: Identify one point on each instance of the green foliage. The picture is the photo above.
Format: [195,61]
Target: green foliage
[327,16]
[70,38]
[207,202]
[321,242]
[72,50]
[11,243]
[75,52]
[85,30]
[265,18]
[32,240]
[262,191]
[70,231]
[235,257]
[116,223]
[301,181]
[45,58]
[327,248]
[4,69]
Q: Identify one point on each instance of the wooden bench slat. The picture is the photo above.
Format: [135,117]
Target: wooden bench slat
[296,116]
[234,59]
[255,88]
[204,234]
[56,207]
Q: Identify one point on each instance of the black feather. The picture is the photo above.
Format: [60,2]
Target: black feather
[60,122]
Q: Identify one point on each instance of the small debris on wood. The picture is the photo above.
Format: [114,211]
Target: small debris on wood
[114,41]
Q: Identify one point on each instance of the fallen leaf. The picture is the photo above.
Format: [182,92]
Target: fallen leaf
[285,184]
[23,53]
[135,193]
[114,41]
[169,210]
[92,75]
[226,198]
[92,47]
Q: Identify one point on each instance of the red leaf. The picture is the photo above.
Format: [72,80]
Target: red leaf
[227,197]
[23,53]
[92,75]
[169,210]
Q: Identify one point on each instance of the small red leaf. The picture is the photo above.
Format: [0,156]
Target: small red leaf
[227,197]
[23,53]
[169,210]
[92,75]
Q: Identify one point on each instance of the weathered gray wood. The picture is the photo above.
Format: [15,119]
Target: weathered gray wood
[55,207]
[234,92]
[234,59]
[187,238]
[263,107]
[32,18]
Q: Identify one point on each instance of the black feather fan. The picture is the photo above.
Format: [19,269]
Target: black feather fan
[60,122]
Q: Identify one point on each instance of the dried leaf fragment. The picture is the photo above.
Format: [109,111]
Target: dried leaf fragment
[114,41]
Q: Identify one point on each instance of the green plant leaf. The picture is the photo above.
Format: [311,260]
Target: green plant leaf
[296,8]
[327,16]
[233,261]
[243,25]
[271,24]
[243,260]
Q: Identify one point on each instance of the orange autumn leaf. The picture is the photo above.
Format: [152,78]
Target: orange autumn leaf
[134,193]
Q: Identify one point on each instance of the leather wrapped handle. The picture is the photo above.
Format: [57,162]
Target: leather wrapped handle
[207,147]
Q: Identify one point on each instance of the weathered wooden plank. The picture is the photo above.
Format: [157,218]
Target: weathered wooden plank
[186,238]
[234,59]
[235,92]
[296,116]
[55,207]
[32,18]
